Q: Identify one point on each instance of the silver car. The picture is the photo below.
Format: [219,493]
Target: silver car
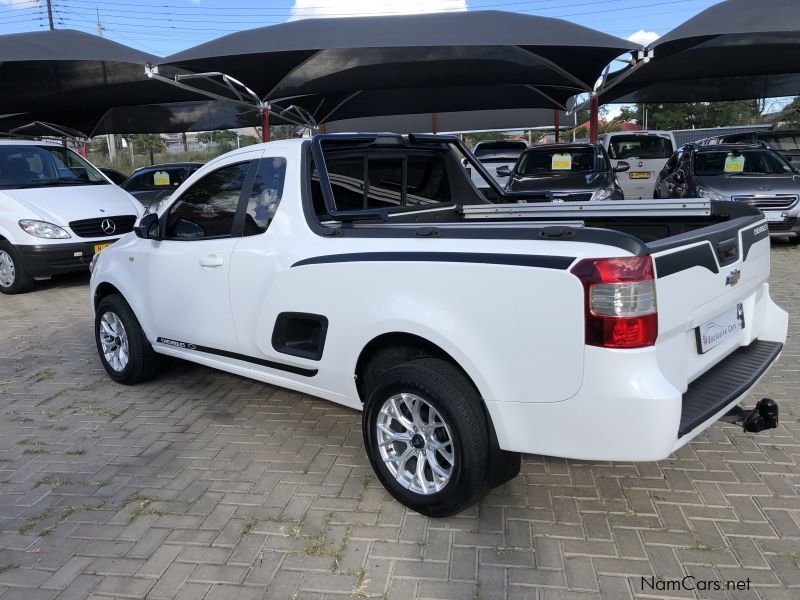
[750,173]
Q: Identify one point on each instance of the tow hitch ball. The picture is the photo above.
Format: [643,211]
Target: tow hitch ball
[763,416]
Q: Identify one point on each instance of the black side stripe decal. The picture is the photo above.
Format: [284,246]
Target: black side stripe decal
[244,358]
[516,260]
[751,236]
[697,256]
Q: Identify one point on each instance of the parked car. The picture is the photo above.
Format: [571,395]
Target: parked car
[379,278]
[565,173]
[784,141]
[645,151]
[750,173]
[56,212]
[115,176]
[494,154]
[150,185]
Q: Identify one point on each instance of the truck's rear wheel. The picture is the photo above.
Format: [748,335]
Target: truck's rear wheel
[427,437]
[14,279]
[126,354]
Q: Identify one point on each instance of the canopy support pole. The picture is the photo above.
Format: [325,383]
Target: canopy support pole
[434,123]
[265,137]
[557,118]
[594,117]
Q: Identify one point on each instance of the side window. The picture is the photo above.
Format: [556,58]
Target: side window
[208,208]
[265,196]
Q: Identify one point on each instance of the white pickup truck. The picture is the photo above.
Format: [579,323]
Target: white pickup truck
[369,271]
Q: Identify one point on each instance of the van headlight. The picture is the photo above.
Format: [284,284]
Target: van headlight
[43,229]
[705,192]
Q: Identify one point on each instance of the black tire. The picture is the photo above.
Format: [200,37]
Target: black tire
[143,361]
[795,240]
[447,390]
[23,281]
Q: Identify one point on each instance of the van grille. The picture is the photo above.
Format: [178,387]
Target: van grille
[776,202]
[573,197]
[91,228]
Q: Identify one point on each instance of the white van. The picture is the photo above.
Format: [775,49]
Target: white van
[646,151]
[56,212]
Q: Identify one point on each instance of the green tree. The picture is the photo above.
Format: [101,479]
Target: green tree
[789,117]
[148,142]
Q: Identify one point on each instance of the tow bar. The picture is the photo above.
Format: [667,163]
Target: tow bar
[763,416]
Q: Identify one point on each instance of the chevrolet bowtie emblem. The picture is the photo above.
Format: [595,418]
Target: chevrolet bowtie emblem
[733,277]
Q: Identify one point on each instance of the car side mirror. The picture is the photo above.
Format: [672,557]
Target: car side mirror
[148,227]
[679,177]
[503,171]
[622,166]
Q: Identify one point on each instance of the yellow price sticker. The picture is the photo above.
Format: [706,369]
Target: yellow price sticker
[161,178]
[561,162]
[734,164]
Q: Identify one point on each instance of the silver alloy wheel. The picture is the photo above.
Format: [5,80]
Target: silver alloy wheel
[415,444]
[7,270]
[114,341]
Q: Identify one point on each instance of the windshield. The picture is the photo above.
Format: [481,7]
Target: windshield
[28,166]
[556,160]
[755,161]
[639,146]
[504,148]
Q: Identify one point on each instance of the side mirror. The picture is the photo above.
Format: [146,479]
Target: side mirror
[503,171]
[148,227]
[622,166]
[679,177]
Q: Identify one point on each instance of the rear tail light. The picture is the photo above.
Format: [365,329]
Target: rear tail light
[620,301]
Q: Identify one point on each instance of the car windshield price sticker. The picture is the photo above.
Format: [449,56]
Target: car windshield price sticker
[722,327]
[562,162]
[734,163]
[161,178]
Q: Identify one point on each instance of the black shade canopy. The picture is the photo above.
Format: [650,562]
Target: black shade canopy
[177,117]
[474,120]
[734,50]
[417,63]
[64,71]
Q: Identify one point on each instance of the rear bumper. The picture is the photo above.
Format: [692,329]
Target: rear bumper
[51,259]
[628,410]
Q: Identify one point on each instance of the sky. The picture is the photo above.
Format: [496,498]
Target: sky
[164,27]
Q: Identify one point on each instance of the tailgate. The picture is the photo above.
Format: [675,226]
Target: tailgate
[711,295]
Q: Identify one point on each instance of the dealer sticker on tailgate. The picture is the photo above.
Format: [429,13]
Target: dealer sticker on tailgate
[722,327]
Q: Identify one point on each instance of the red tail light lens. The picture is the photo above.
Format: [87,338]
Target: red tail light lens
[620,301]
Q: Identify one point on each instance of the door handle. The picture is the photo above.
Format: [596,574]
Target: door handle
[211,261]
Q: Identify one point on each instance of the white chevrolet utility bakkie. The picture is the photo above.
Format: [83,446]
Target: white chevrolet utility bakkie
[369,271]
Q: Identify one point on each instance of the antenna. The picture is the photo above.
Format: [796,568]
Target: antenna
[99,26]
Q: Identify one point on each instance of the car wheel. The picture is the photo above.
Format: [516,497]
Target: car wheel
[427,438]
[14,279]
[126,354]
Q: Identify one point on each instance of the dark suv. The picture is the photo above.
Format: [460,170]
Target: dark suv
[564,173]
[750,173]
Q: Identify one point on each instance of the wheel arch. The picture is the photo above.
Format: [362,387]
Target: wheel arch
[103,290]
[390,349]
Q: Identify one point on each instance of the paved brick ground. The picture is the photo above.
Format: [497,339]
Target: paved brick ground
[206,485]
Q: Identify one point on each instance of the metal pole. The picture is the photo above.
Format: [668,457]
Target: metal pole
[50,14]
[557,123]
[594,112]
[265,123]
[434,123]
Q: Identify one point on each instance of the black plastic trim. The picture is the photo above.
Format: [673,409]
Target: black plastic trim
[696,256]
[282,338]
[753,235]
[728,380]
[236,356]
[51,259]
[516,260]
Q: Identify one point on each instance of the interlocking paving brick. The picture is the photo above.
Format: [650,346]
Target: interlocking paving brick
[245,490]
